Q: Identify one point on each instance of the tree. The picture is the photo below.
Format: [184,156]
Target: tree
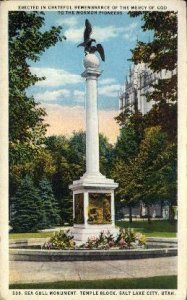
[77,153]
[128,193]
[27,41]
[49,205]
[127,144]
[160,54]
[152,146]
[149,175]
[26,207]
[155,174]
[106,155]
[69,158]
[64,171]
[124,169]
[166,177]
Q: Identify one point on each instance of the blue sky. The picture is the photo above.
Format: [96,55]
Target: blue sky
[62,65]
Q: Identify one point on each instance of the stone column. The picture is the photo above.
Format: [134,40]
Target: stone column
[93,193]
[91,73]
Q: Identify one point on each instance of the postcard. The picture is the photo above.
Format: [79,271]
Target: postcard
[93,150]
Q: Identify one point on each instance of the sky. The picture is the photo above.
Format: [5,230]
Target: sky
[63,92]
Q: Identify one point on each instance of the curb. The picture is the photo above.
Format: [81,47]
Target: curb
[86,255]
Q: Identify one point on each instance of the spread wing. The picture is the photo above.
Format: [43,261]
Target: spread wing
[101,51]
[81,45]
[87,31]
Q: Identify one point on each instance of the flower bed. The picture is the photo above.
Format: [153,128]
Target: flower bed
[125,239]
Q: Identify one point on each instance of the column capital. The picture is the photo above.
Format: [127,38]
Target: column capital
[91,72]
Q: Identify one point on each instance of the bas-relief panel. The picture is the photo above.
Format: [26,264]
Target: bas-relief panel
[79,208]
[99,208]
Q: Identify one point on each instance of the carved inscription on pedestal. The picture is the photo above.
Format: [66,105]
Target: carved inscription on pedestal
[79,208]
[99,209]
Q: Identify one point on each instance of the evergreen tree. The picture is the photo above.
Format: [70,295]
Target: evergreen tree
[26,207]
[67,210]
[49,205]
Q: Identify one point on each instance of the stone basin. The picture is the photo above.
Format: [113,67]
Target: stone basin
[30,250]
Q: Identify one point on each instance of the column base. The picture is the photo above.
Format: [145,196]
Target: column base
[81,234]
[93,203]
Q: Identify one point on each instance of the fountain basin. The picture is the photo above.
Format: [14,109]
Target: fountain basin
[31,251]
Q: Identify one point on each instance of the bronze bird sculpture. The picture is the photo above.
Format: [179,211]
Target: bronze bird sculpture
[87,44]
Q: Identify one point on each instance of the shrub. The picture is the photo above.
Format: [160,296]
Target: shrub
[104,241]
[125,239]
[60,240]
[128,238]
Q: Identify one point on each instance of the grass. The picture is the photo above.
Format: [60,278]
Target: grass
[158,282]
[24,235]
[157,228]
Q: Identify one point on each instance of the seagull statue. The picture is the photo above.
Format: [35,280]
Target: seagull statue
[87,44]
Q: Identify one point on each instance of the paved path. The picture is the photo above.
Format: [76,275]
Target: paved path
[25,272]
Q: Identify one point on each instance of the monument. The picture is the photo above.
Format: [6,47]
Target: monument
[93,193]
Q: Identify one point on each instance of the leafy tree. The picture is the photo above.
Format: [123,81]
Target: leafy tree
[151,147]
[149,175]
[127,144]
[69,160]
[77,154]
[156,168]
[153,170]
[126,174]
[27,41]
[49,205]
[160,54]
[58,147]
[166,177]
[123,167]
[43,165]
[106,155]
[26,207]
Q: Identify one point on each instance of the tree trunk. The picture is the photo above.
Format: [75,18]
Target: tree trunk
[130,214]
[161,208]
[148,214]
[171,214]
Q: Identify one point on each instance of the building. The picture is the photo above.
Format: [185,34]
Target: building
[137,84]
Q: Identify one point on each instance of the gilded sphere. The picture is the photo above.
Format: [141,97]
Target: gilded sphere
[91,61]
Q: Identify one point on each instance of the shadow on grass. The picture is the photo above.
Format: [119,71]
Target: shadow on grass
[158,282]
[155,228]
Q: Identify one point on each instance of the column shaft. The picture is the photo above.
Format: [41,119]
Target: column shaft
[92,131]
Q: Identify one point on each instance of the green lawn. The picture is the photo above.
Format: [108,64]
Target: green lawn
[158,282]
[156,228]
[30,235]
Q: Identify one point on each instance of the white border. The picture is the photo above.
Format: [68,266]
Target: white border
[182,138]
